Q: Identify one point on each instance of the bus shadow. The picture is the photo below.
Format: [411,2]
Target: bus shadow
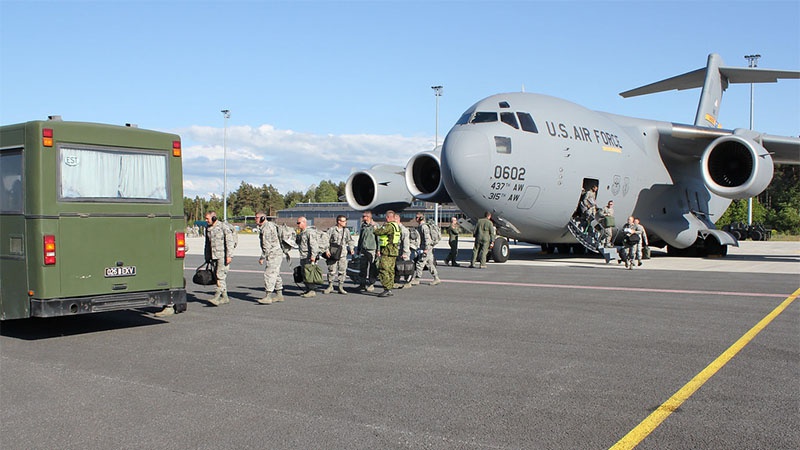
[38,328]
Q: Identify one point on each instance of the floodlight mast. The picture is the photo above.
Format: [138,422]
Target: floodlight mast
[226,113]
[752,61]
[437,92]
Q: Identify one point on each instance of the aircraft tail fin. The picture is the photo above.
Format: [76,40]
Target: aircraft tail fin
[714,79]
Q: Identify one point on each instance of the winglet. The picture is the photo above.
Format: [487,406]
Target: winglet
[714,79]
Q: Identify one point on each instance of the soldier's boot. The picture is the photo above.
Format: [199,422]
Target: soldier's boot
[447,261]
[278,296]
[328,289]
[435,281]
[414,282]
[168,310]
[215,299]
[267,300]
[386,293]
[225,299]
[341,289]
[371,288]
[308,294]
[408,285]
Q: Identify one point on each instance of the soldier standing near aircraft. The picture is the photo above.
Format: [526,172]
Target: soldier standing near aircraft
[607,213]
[455,230]
[219,250]
[632,242]
[271,254]
[645,244]
[484,239]
[341,242]
[307,245]
[368,249]
[389,238]
[426,255]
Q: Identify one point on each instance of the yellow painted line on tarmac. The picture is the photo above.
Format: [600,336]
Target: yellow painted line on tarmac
[641,431]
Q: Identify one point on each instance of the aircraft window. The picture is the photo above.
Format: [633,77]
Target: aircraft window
[509,118]
[484,117]
[464,118]
[502,144]
[527,122]
[504,105]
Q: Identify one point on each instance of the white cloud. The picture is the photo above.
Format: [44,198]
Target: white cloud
[286,159]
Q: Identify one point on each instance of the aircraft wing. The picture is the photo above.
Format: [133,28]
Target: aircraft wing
[691,141]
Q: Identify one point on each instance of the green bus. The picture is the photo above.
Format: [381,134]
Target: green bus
[91,219]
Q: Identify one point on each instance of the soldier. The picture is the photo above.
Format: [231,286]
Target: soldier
[271,254]
[607,213]
[426,256]
[632,241]
[219,250]
[588,203]
[484,239]
[389,238]
[341,242]
[455,230]
[645,244]
[307,245]
[368,249]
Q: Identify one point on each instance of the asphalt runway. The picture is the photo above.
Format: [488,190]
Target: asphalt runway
[540,352]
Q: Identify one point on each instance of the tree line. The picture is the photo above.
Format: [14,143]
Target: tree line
[777,208]
[247,200]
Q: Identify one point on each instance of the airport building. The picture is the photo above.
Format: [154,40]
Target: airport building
[323,215]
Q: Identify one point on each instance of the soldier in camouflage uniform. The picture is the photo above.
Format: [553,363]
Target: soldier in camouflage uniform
[426,257]
[338,236]
[389,238]
[219,250]
[368,249]
[307,245]
[271,253]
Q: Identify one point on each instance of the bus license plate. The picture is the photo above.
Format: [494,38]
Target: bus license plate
[120,271]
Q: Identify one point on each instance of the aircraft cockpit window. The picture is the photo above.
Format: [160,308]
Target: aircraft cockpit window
[509,118]
[504,105]
[527,122]
[484,117]
[464,119]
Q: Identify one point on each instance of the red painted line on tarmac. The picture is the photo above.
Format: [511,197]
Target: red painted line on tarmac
[623,289]
[591,288]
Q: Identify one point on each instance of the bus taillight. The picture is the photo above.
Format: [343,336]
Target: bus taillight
[180,244]
[47,137]
[49,250]
[176,148]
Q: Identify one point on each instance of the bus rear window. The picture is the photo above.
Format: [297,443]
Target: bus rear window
[104,174]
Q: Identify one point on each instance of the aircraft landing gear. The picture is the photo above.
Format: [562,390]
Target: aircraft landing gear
[501,250]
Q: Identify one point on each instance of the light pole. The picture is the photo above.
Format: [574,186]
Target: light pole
[437,92]
[752,62]
[226,113]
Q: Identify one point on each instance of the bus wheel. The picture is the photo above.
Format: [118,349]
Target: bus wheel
[501,250]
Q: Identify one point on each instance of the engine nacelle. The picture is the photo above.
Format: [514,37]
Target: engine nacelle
[736,167]
[424,177]
[378,189]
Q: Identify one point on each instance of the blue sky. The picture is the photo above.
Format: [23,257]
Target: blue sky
[319,88]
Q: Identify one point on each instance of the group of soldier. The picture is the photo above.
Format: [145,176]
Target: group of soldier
[378,247]
[634,236]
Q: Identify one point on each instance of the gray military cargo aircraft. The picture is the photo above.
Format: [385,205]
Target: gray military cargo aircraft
[528,158]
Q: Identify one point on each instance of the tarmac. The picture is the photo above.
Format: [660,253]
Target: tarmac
[543,351]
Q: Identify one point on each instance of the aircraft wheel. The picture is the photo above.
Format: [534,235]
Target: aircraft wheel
[756,235]
[500,251]
[713,248]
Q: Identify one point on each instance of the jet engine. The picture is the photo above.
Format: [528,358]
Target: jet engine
[378,189]
[424,177]
[736,167]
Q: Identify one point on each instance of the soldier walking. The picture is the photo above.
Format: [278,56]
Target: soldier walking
[455,230]
[368,249]
[389,238]
[340,243]
[271,254]
[307,245]
[426,257]
[219,251]
[484,239]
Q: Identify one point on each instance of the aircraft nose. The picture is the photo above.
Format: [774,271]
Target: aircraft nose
[465,159]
